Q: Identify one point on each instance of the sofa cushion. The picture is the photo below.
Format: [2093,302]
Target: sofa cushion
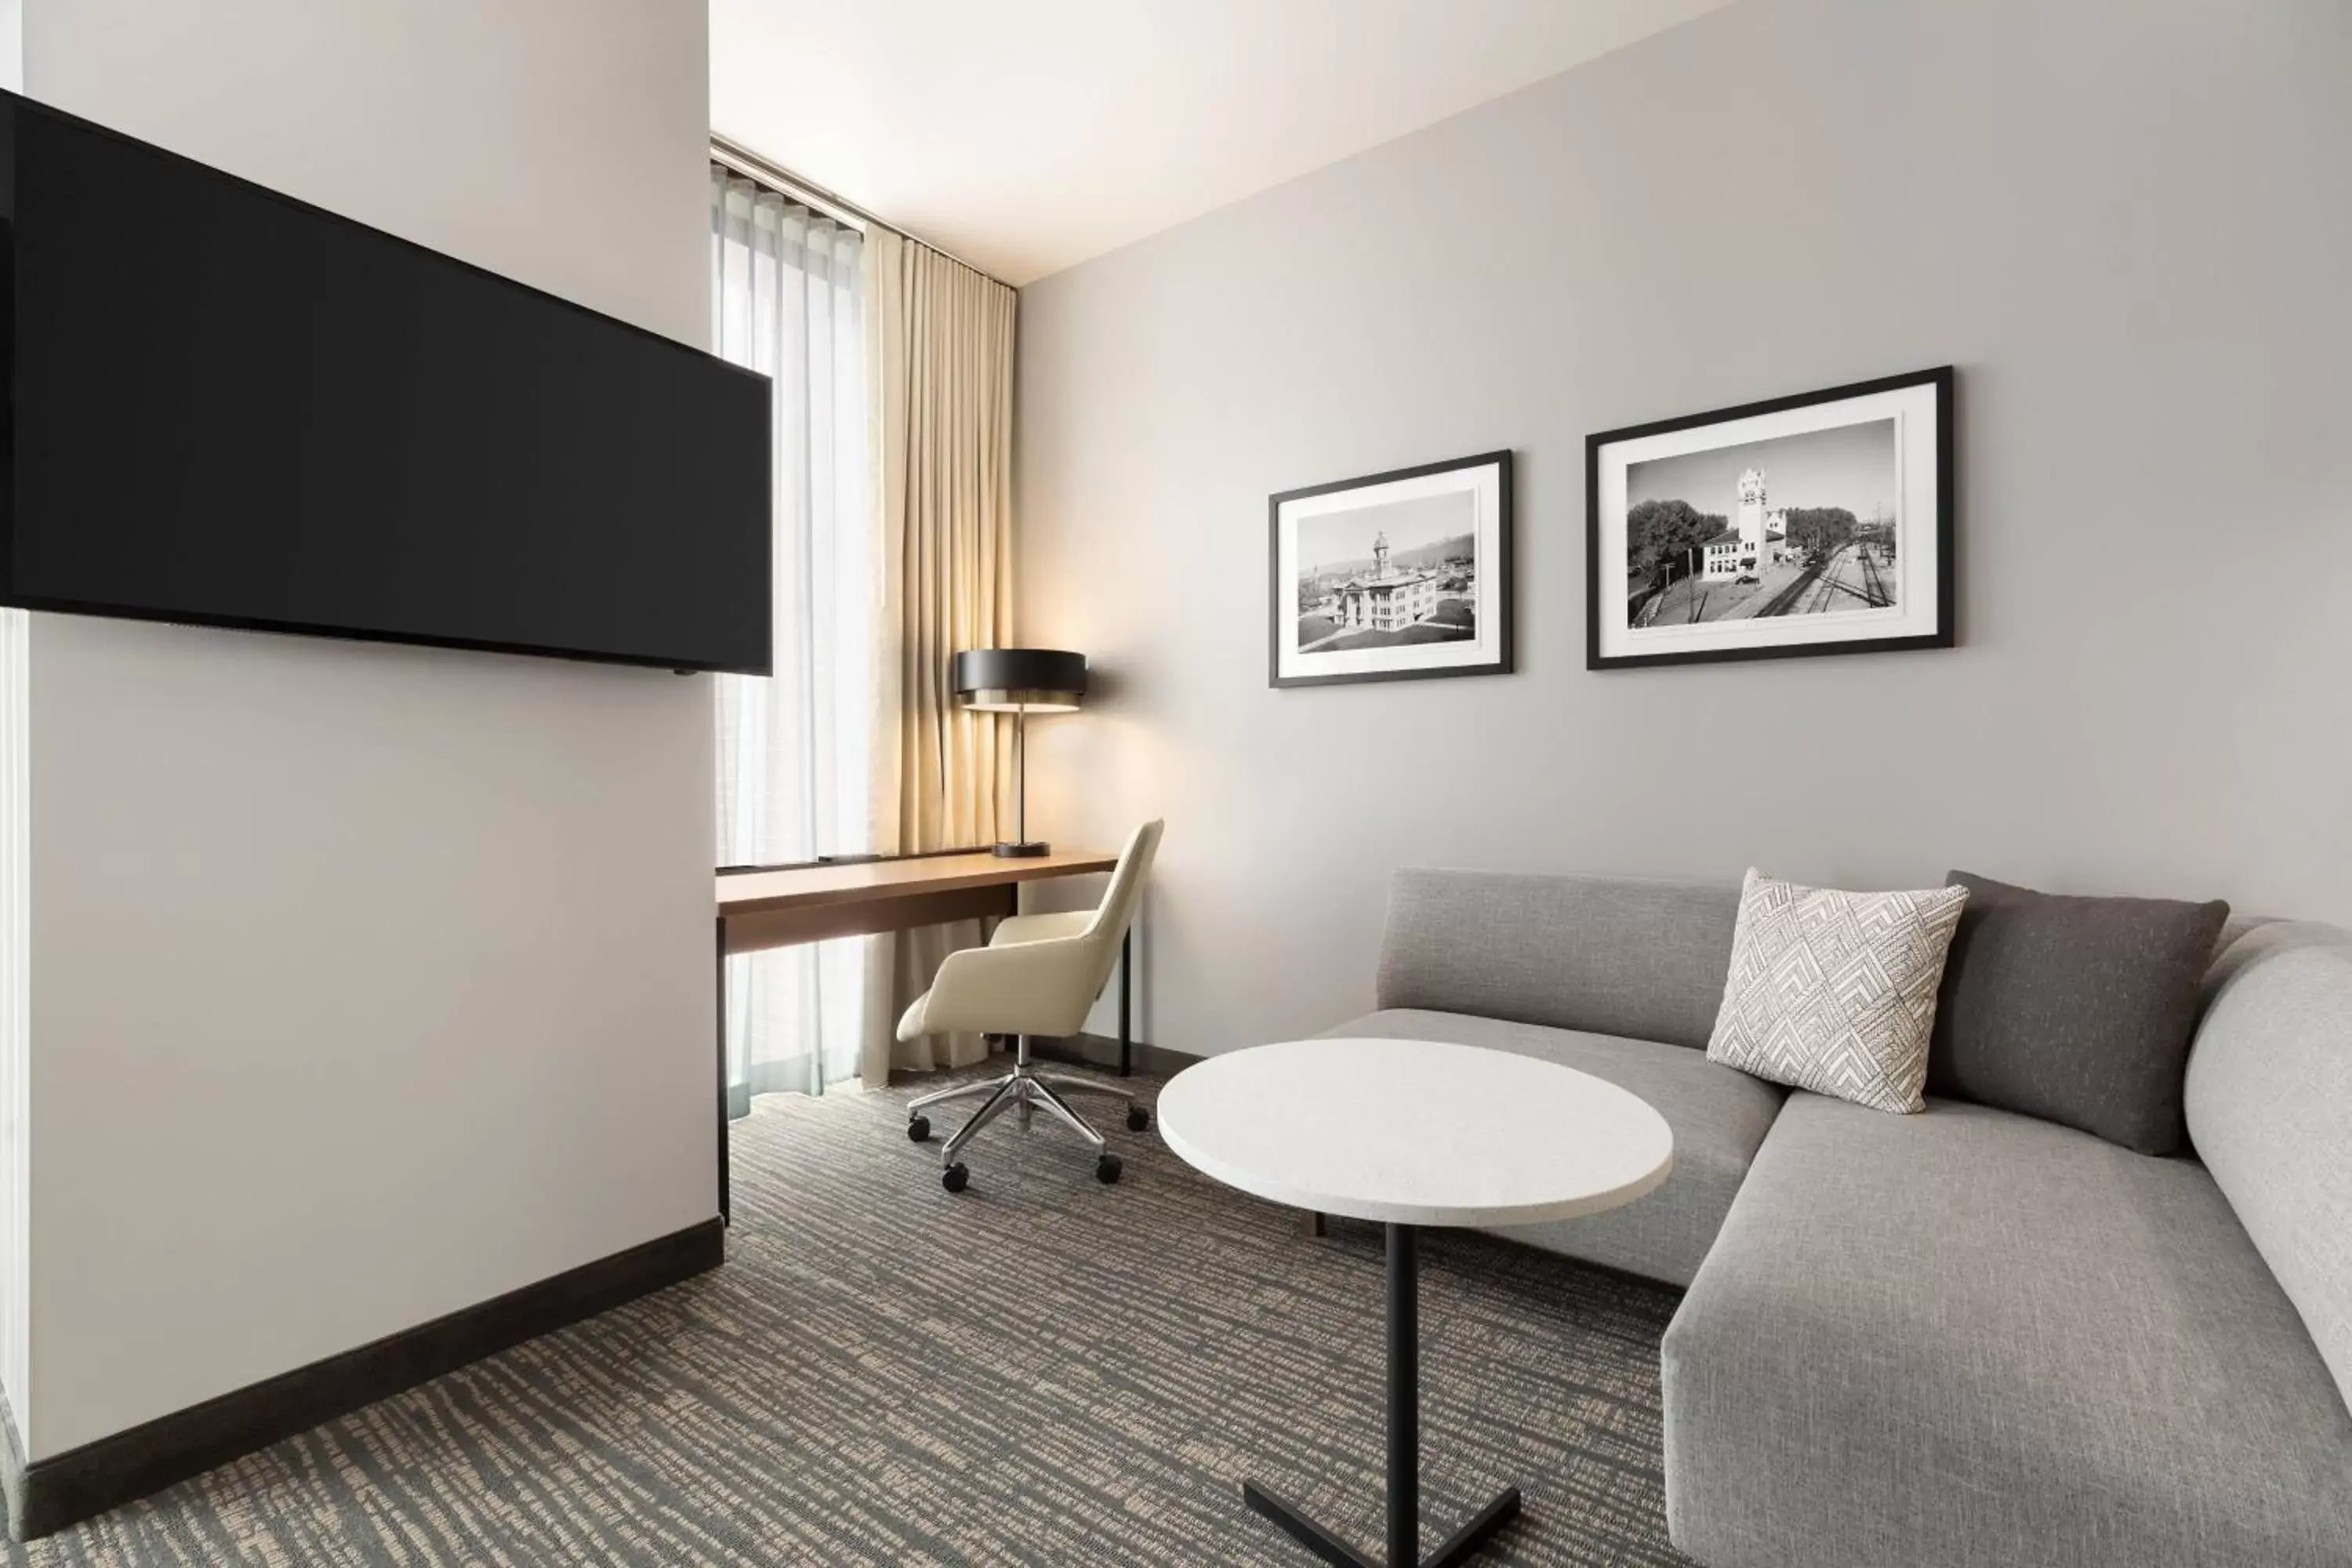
[1969,1338]
[1610,954]
[1718,1117]
[2270,1110]
[2076,1010]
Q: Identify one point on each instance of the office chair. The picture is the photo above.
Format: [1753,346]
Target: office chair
[1037,975]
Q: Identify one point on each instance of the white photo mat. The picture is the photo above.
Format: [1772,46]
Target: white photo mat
[1482,484]
[1919,523]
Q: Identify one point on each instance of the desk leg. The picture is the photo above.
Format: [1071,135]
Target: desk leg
[1125,994]
[726,1209]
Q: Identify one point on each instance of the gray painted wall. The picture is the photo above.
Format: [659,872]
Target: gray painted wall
[2128,222]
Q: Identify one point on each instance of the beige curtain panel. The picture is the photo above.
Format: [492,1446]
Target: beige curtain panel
[940,358]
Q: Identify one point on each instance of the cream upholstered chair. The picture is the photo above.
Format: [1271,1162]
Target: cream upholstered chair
[1037,975]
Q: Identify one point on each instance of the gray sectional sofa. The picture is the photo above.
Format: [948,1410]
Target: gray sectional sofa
[1965,1338]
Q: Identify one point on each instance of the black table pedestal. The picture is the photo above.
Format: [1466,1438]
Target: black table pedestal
[1404,1446]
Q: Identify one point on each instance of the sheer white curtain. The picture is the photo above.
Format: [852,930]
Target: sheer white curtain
[787,298]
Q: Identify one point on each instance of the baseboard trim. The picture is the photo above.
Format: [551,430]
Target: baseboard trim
[49,1494]
[1102,1051]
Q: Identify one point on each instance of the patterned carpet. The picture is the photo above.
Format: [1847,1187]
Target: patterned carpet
[1041,1370]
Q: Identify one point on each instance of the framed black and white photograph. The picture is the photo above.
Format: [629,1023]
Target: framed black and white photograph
[1394,576]
[1814,524]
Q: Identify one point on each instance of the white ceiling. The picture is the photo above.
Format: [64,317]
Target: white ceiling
[1028,135]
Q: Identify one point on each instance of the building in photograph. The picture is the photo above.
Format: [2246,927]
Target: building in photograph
[1757,537]
[1385,600]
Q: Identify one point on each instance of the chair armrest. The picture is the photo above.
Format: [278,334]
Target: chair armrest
[1015,930]
[1020,988]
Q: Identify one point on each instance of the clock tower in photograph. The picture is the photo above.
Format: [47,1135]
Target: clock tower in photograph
[1750,521]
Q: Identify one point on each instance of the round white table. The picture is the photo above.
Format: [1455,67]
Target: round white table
[1412,1133]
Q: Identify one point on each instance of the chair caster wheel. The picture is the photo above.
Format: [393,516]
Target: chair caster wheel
[1137,1119]
[918,1128]
[1106,1169]
[955,1178]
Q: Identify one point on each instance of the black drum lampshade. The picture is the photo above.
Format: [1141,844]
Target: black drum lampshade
[1020,681]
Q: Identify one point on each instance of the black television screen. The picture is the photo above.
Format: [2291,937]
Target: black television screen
[231,408]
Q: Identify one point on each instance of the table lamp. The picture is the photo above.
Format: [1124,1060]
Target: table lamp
[1020,681]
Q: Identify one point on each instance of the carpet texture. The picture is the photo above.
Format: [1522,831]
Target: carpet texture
[1041,1370]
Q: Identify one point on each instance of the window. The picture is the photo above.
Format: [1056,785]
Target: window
[795,756]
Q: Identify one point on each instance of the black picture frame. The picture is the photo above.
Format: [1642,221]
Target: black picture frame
[1504,584]
[1941,379]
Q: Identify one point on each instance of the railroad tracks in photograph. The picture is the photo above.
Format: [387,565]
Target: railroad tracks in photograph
[1817,591]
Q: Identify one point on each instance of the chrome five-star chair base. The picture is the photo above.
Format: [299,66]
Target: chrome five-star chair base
[1026,1091]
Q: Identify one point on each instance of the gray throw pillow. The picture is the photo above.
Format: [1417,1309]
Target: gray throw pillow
[2076,1010]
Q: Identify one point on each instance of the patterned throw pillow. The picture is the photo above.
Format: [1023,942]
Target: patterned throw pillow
[1836,992]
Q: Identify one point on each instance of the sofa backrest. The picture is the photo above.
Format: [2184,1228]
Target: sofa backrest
[1609,954]
[2270,1110]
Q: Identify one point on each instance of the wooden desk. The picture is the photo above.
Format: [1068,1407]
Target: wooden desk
[760,910]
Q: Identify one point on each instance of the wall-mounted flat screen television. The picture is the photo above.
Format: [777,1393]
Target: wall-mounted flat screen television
[231,408]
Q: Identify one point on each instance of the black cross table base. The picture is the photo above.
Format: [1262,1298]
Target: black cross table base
[1404,1448]
[1333,1549]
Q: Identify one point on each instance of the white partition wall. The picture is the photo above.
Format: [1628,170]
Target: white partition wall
[15,996]
[369,983]
[16,1061]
